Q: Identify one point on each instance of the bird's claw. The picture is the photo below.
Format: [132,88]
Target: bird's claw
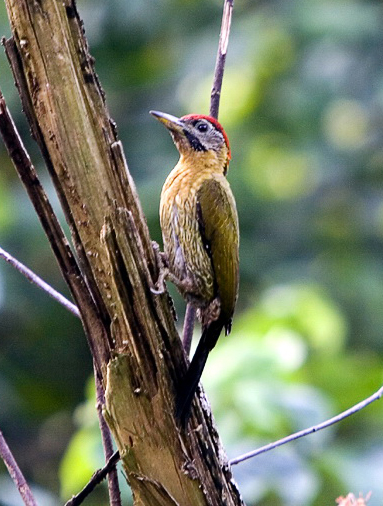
[160,287]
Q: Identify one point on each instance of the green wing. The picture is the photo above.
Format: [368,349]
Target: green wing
[218,222]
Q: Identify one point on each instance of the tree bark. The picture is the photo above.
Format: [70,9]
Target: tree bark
[138,352]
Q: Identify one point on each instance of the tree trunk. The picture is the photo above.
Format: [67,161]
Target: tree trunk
[137,352]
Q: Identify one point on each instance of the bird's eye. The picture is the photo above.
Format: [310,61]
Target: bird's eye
[202,127]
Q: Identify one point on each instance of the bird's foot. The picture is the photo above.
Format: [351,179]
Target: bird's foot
[160,287]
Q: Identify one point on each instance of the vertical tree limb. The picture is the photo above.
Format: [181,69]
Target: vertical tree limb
[221,58]
[107,443]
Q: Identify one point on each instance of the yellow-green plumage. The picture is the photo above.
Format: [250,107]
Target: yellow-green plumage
[183,242]
[200,233]
[187,257]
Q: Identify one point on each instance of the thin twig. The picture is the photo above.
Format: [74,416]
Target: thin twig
[221,58]
[36,280]
[113,486]
[15,473]
[354,409]
[96,479]
[187,334]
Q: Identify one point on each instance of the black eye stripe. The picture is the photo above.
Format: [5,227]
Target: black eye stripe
[194,142]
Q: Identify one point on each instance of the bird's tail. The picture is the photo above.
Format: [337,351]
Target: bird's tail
[190,382]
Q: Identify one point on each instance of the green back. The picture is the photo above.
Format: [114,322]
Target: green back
[217,216]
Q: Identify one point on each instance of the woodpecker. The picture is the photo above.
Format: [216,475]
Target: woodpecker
[200,233]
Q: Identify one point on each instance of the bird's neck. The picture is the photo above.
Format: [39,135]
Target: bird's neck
[210,161]
[191,169]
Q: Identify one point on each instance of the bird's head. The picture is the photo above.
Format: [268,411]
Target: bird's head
[196,133]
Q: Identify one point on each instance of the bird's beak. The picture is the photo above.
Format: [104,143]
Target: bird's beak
[172,123]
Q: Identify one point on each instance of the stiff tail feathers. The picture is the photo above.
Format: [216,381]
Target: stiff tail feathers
[188,387]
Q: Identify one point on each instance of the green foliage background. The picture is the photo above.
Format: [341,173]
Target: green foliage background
[302,104]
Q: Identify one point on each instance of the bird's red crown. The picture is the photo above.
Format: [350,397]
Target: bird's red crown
[215,122]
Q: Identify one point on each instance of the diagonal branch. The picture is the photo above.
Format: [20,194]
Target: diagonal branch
[351,411]
[15,473]
[36,280]
[97,478]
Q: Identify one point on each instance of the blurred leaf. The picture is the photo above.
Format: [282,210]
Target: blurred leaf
[275,171]
[346,124]
[81,460]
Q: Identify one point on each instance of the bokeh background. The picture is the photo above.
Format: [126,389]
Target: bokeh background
[302,103]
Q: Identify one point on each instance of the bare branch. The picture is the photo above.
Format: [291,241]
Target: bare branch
[96,479]
[36,280]
[15,473]
[221,58]
[354,409]
[113,486]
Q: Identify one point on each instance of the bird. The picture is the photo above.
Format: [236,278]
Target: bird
[200,232]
